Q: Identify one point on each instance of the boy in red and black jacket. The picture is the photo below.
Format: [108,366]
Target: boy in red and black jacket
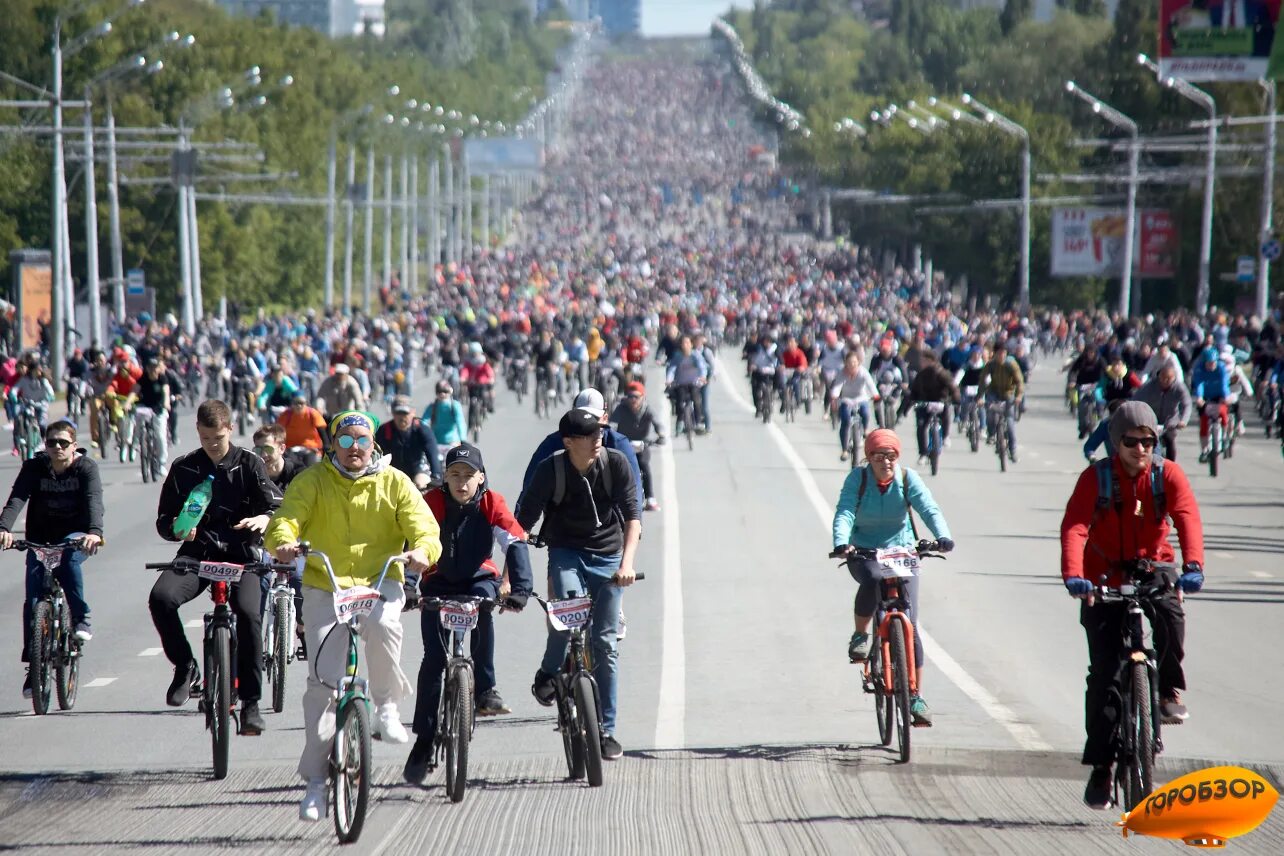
[472,518]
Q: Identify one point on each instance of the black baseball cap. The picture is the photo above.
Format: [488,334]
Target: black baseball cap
[465,453]
[579,423]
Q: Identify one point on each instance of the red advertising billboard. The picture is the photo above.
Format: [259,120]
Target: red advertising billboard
[1217,39]
[1157,244]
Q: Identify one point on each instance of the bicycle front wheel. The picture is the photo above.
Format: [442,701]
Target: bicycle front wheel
[459,713]
[900,686]
[590,729]
[218,697]
[568,722]
[882,697]
[1140,777]
[282,631]
[41,656]
[350,773]
[67,663]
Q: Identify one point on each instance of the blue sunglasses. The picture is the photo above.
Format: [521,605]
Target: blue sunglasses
[347,441]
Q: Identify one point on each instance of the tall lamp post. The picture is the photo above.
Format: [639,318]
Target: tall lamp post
[1007,126]
[1129,303]
[1203,99]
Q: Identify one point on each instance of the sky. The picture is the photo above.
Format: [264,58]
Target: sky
[683,17]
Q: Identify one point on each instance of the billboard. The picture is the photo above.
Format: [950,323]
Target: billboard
[1218,39]
[1089,242]
[32,293]
[502,154]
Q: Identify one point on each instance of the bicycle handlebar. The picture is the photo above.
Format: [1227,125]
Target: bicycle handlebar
[187,563]
[925,549]
[305,549]
[485,604]
[21,544]
[1163,581]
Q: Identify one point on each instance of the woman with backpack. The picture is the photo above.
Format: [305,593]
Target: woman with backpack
[445,416]
[875,511]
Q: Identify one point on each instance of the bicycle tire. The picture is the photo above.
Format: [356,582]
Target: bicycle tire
[974,435]
[104,431]
[218,682]
[41,656]
[590,729]
[688,428]
[67,664]
[1213,442]
[1001,444]
[568,724]
[882,698]
[280,650]
[350,769]
[1140,780]
[900,686]
[459,712]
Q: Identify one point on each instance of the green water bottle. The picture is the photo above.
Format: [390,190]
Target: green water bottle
[194,508]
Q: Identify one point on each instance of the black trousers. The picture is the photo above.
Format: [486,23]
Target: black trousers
[1104,624]
[644,464]
[433,667]
[173,589]
[920,418]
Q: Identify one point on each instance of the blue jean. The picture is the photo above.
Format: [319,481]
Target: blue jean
[704,404]
[581,572]
[1009,407]
[71,579]
[845,411]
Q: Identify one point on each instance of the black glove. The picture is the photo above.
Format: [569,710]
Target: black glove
[516,601]
[945,545]
[411,588]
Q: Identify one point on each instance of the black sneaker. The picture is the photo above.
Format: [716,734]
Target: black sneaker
[185,680]
[251,720]
[611,749]
[1099,792]
[542,688]
[420,761]
[490,703]
[26,685]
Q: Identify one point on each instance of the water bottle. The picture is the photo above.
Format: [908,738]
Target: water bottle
[194,508]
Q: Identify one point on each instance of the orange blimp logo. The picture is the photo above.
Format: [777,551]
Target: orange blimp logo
[1205,808]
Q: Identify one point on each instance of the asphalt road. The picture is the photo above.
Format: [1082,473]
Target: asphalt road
[744,726]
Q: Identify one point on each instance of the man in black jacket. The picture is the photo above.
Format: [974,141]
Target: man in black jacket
[409,444]
[231,531]
[932,384]
[592,524]
[66,499]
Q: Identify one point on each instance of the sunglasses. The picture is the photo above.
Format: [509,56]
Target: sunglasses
[258,450]
[347,441]
[888,457]
[57,444]
[1133,442]
[596,435]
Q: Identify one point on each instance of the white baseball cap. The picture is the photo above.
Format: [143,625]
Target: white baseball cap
[591,400]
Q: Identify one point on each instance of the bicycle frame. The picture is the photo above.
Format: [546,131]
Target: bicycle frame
[63,648]
[893,610]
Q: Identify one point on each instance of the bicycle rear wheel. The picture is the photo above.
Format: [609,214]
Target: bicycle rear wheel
[590,729]
[67,663]
[459,715]
[688,426]
[350,769]
[218,696]
[282,633]
[1001,444]
[1214,447]
[900,686]
[569,724]
[882,698]
[41,656]
[1140,780]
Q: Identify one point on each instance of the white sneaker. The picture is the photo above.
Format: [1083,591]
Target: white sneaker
[312,808]
[390,728]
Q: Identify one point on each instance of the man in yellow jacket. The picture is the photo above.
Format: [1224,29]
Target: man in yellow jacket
[358,510]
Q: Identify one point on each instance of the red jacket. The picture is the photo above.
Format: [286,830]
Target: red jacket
[1092,540]
[793,358]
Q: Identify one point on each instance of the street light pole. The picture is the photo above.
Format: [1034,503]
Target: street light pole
[347,230]
[405,219]
[1128,302]
[369,236]
[1262,302]
[184,236]
[434,217]
[450,206]
[1008,126]
[387,221]
[60,309]
[113,216]
[331,167]
[414,225]
[91,227]
[193,223]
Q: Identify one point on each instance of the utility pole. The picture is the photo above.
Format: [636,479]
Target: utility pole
[1262,302]
[91,228]
[113,214]
[330,170]
[451,256]
[347,230]
[369,236]
[414,225]
[405,219]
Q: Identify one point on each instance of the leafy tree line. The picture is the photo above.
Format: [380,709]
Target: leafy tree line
[829,63]
[482,57]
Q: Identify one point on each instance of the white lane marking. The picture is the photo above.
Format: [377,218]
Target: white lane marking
[1222,554]
[1263,575]
[670,722]
[150,652]
[194,622]
[1050,463]
[1025,735]
[99,682]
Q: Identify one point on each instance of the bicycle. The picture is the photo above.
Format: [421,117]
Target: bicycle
[887,673]
[579,707]
[1138,729]
[684,406]
[54,653]
[999,423]
[148,445]
[854,440]
[544,391]
[1089,408]
[106,427]
[476,412]
[1216,435]
[766,383]
[218,691]
[26,431]
[350,757]
[458,616]
[789,401]
[935,440]
[77,392]
[518,378]
[970,416]
[279,620]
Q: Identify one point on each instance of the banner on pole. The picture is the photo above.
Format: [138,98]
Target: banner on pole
[1218,39]
[1089,242]
[502,154]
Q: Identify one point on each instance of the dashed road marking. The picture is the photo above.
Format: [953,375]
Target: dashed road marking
[194,622]
[150,652]
[1263,575]
[1222,554]
[670,723]
[99,682]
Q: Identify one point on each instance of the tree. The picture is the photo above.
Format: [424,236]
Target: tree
[1014,13]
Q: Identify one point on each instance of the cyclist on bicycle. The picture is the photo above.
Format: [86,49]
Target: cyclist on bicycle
[1169,398]
[795,364]
[409,444]
[318,508]
[66,497]
[231,531]
[830,362]
[685,373]
[472,517]
[34,389]
[1209,384]
[340,391]
[269,444]
[932,384]
[851,395]
[634,419]
[445,417]
[100,378]
[479,376]
[590,401]
[968,381]
[764,363]
[1102,530]
[154,391]
[592,535]
[278,389]
[1002,385]
[875,510]
[304,427]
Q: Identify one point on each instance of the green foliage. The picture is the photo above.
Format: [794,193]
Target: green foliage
[1015,12]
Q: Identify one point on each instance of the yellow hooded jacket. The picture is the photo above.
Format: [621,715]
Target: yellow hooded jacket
[357,522]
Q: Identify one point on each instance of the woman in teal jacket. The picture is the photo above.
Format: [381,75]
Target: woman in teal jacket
[446,418]
[874,512]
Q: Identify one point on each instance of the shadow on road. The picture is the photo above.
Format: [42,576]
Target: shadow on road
[961,822]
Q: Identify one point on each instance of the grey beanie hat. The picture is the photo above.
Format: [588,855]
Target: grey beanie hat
[1130,415]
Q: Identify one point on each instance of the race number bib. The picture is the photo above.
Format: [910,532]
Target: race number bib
[570,614]
[220,572]
[48,557]
[898,562]
[458,616]
[971,391]
[356,602]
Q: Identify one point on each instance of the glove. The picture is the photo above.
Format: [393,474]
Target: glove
[1078,587]
[659,440]
[1192,578]
[945,545]
[516,601]
[411,588]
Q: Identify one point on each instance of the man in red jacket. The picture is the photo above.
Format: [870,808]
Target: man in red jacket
[1097,538]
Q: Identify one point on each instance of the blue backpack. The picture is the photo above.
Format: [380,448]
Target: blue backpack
[1108,486]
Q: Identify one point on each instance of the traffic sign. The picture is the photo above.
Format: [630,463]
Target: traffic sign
[135,282]
[1246,269]
[1272,250]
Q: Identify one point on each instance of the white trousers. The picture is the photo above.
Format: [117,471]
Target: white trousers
[382,634]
